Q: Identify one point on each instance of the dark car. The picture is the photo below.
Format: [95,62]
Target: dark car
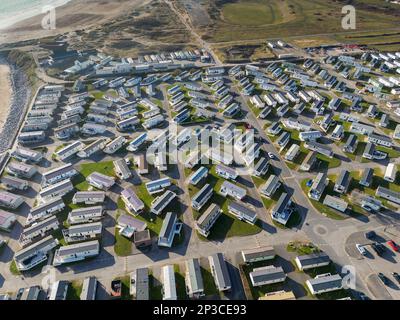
[396,276]
[383,278]
[370,235]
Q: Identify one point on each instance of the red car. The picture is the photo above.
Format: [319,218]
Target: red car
[393,245]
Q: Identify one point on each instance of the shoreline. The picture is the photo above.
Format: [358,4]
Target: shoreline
[72,15]
[20,93]
[28,13]
[6,92]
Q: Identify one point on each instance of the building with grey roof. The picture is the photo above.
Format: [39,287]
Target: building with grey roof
[283,209]
[45,210]
[27,155]
[85,215]
[318,186]
[229,189]
[258,254]
[343,181]
[10,200]
[194,278]
[89,289]
[121,169]
[89,197]
[59,290]
[7,220]
[267,275]
[206,221]
[320,148]
[56,190]
[34,254]
[13,183]
[242,212]
[261,167]
[366,177]
[311,261]
[324,283]
[201,197]
[351,144]
[132,202]
[128,225]
[226,172]
[161,202]
[309,161]
[169,229]
[83,232]
[68,151]
[335,203]
[388,194]
[100,181]
[58,174]
[142,284]
[76,252]
[21,170]
[270,187]
[219,270]
[38,231]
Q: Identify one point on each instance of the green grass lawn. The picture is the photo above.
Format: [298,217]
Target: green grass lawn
[155,289]
[180,283]
[13,269]
[86,169]
[250,13]
[208,280]
[327,162]
[227,225]
[74,290]
[122,245]
[319,206]
[302,248]
[154,223]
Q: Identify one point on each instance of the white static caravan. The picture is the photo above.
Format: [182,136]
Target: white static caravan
[169,285]
[390,173]
[115,145]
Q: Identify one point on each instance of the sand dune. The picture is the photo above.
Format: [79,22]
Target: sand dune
[5,93]
[77,14]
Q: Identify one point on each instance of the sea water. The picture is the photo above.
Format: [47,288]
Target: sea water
[13,11]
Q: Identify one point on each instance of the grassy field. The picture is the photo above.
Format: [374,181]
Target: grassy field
[257,19]
[251,13]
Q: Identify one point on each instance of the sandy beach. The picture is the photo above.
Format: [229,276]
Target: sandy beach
[5,93]
[76,14]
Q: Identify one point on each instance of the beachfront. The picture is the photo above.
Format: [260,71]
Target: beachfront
[5,93]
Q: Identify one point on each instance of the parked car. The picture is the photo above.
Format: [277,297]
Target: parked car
[361,249]
[116,287]
[393,245]
[396,276]
[271,155]
[383,278]
[370,235]
[309,183]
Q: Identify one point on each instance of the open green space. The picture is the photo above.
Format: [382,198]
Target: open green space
[227,225]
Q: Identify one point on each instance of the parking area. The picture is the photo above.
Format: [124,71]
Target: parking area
[371,264]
